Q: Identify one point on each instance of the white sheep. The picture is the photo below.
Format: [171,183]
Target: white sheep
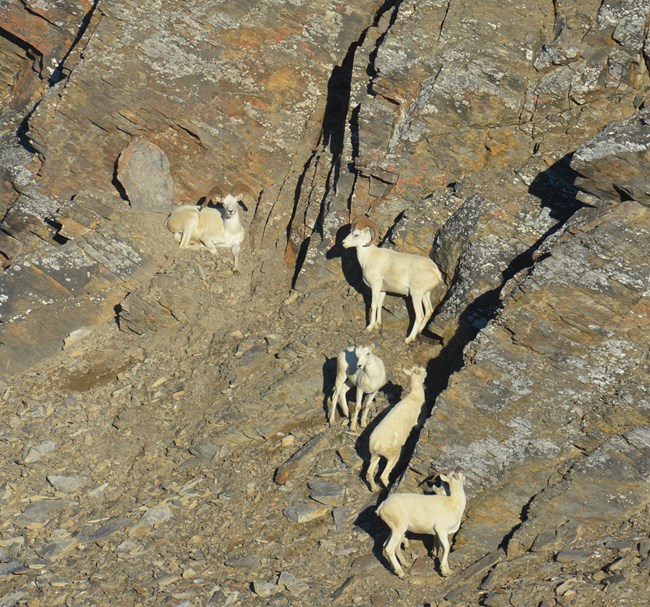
[385,270]
[390,435]
[205,226]
[438,515]
[361,368]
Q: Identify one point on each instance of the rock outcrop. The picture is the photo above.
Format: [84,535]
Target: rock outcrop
[164,436]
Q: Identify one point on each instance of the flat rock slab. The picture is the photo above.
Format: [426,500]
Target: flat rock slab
[67,484]
[293,584]
[39,513]
[303,513]
[327,492]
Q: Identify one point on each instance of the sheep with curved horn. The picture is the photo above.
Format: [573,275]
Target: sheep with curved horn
[388,271]
[210,227]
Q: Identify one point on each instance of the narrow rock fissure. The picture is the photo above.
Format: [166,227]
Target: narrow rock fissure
[59,72]
[333,132]
[523,518]
[371,70]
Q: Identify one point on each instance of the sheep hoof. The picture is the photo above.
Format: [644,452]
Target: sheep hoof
[445,572]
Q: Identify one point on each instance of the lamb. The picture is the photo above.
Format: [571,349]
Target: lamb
[388,438]
[385,270]
[210,227]
[357,367]
[439,515]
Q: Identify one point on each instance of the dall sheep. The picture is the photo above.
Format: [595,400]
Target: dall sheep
[385,270]
[359,367]
[388,438]
[439,515]
[195,226]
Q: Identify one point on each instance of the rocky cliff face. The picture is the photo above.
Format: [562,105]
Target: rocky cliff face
[152,398]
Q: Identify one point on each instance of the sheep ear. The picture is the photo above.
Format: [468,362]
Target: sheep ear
[372,347]
[408,372]
[445,477]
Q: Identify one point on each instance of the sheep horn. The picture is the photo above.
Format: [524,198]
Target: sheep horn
[214,195]
[362,221]
[242,190]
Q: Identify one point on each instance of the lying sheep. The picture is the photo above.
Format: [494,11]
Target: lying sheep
[385,270]
[195,226]
[361,368]
[388,438]
[439,515]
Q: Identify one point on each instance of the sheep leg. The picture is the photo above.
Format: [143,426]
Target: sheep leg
[391,547]
[235,256]
[444,541]
[366,409]
[436,546]
[390,464]
[419,317]
[209,244]
[190,227]
[377,299]
[428,311]
[354,422]
[382,296]
[339,395]
[343,400]
[374,298]
[331,407]
[400,555]
[372,470]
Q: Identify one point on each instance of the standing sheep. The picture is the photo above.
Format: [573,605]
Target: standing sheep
[390,435]
[439,515]
[361,368]
[385,270]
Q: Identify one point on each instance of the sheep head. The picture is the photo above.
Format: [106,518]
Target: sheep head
[230,201]
[364,232]
[417,375]
[453,477]
[363,354]
[243,192]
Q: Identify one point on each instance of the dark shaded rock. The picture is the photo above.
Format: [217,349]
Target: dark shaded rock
[489,560]
[613,165]
[302,459]
[453,238]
